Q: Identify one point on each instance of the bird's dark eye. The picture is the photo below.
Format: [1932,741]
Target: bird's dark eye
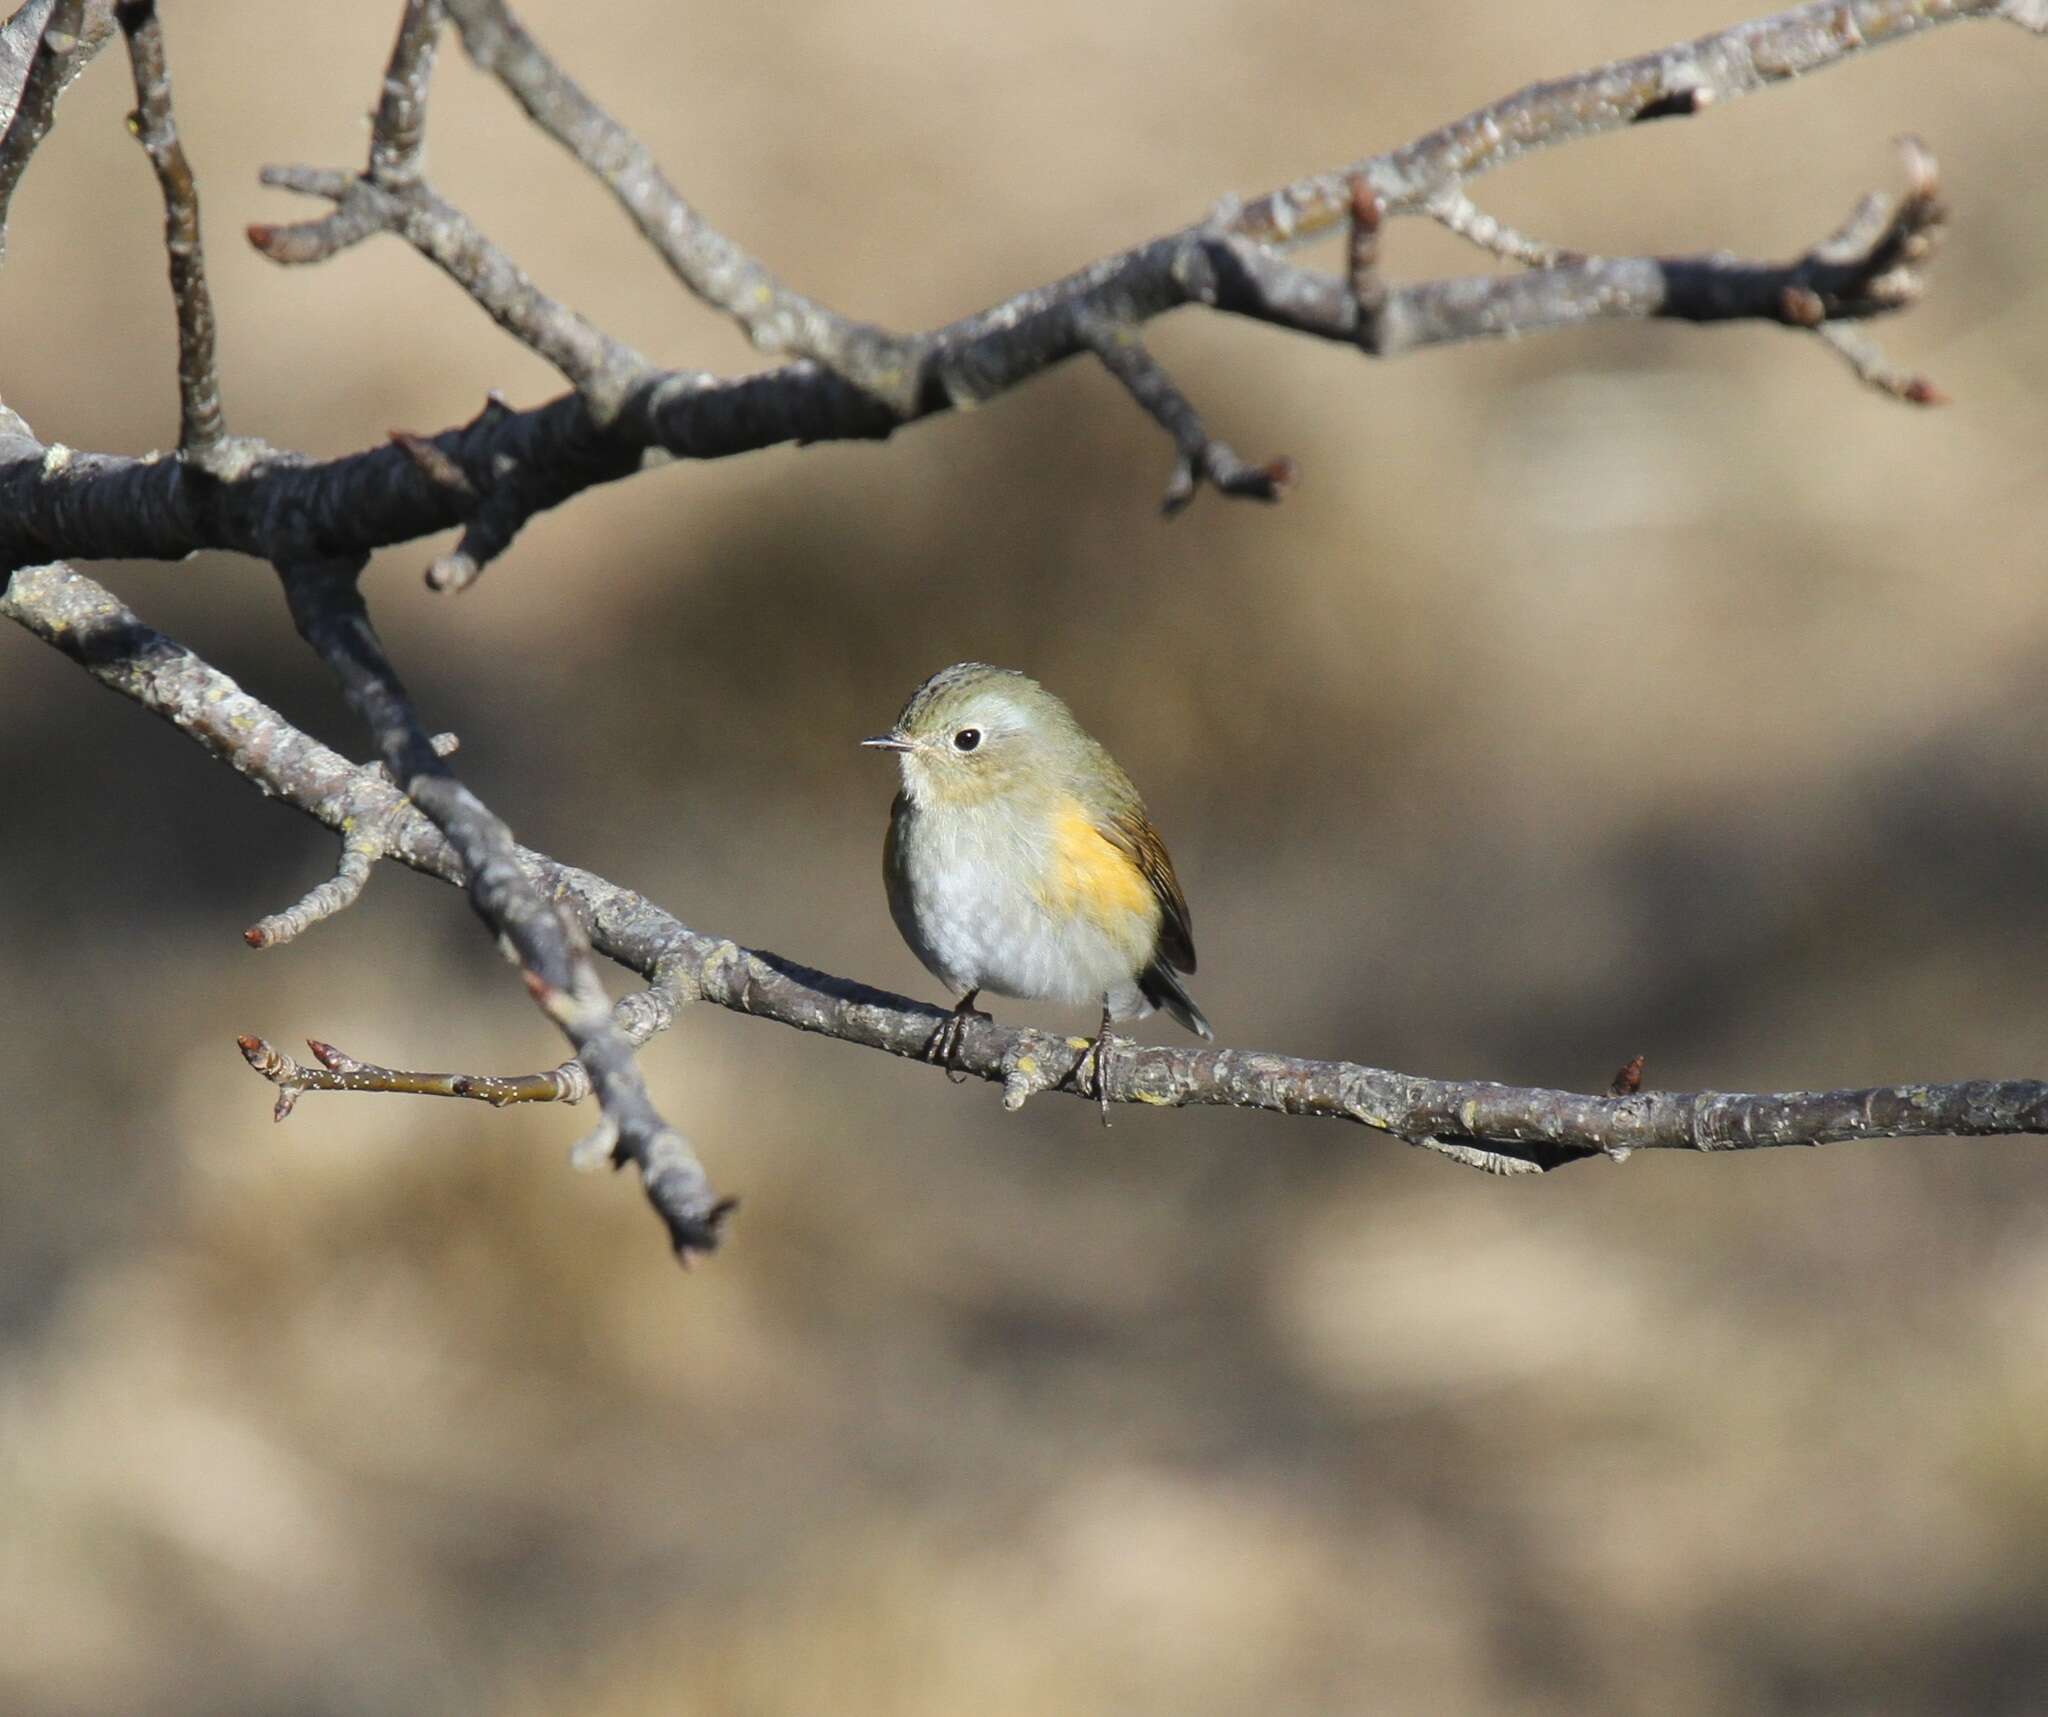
[967,739]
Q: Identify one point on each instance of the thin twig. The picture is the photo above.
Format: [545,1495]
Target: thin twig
[1199,456]
[711,265]
[201,424]
[638,1016]
[1452,209]
[1362,278]
[360,849]
[338,1071]
[362,845]
[1866,360]
[391,196]
[597,365]
[500,493]
[398,133]
[60,53]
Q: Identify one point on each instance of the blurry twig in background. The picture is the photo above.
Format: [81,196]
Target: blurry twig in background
[317,521]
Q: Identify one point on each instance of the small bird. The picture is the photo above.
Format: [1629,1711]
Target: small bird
[1020,860]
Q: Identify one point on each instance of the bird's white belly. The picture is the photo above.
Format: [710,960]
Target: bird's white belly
[978,925]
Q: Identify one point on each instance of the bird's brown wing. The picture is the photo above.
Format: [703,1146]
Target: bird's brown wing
[1131,831]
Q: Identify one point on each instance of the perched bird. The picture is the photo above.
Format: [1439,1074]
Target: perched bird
[1020,859]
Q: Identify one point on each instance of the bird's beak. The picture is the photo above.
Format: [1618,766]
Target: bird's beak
[887,742]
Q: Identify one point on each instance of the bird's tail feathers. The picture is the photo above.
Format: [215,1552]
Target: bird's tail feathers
[1162,987]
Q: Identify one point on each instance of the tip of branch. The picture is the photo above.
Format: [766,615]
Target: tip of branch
[454,571]
[254,1050]
[1923,172]
[1280,475]
[1365,207]
[256,937]
[1921,391]
[1268,482]
[694,1236]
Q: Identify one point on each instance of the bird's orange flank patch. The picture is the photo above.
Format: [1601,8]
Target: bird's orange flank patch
[1093,876]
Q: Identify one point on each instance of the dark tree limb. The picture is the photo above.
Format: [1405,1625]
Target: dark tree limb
[283,507]
[1499,1128]
[1868,267]
[287,508]
[201,425]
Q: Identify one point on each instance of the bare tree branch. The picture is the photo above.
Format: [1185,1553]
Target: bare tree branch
[1199,457]
[597,365]
[398,133]
[1453,210]
[43,46]
[288,508]
[775,318]
[96,505]
[638,1017]
[1868,267]
[360,850]
[339,1071]
[1499,1128]
[547,944]
[316,522]
[391,196]
[1684,79]
[200,421]
[362,845]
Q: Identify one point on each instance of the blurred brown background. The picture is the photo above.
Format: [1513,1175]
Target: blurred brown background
[1643,690]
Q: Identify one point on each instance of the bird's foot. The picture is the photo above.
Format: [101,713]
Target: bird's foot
[1098,1067]
[943,1046]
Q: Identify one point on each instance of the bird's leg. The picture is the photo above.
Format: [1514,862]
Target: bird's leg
[1096,1052]
[944,1044]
